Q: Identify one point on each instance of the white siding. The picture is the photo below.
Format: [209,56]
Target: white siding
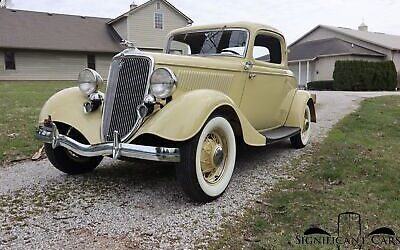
[103,62]
[396,60]
[47,65]
[325,66]
[121,27]
[294,67]
[141,26]
[322,68]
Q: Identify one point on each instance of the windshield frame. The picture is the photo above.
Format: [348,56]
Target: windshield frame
[168,47]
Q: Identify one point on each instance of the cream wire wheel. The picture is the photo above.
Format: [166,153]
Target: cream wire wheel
[213,157]
[302,139]
[208,161]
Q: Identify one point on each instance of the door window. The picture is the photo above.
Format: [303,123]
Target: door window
[267,49]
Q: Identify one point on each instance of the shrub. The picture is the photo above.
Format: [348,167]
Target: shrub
[364,76]
[320,85]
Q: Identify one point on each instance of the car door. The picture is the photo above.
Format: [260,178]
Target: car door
[270,86]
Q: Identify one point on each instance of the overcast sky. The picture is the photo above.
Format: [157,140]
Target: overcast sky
[293,17]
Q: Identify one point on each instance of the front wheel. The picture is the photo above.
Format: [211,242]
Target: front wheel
[208,161]
[67,161]
[302,139]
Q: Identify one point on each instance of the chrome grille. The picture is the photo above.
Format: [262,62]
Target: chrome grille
[127,86]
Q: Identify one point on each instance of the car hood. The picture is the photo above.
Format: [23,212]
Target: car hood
[210,62]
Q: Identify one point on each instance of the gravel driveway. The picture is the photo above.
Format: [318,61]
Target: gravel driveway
[139,205]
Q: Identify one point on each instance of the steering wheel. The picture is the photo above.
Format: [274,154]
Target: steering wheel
[231,51]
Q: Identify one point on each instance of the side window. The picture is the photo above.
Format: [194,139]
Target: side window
[267,49]
[158,21]
[91,62]
[9,60]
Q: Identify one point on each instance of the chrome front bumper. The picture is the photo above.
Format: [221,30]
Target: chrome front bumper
[49,134]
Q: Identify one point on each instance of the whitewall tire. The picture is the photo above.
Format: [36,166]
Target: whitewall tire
[302,139]
[208,161]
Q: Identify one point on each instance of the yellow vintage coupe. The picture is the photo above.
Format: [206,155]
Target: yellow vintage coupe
[214,86]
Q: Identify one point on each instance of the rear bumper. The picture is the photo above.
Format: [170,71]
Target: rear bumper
[49,134]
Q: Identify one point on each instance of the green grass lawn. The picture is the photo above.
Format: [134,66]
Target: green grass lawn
[356,169]
[20,104]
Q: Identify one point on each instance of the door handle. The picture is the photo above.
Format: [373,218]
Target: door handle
[252,75]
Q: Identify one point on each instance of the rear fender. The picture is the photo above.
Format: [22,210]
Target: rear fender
[296,114]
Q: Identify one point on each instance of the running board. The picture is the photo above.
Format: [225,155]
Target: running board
[281,133]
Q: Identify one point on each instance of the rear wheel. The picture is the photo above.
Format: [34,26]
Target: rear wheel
[67,161]
[208,161]
[301,140]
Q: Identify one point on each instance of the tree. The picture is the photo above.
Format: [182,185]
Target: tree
[5,3]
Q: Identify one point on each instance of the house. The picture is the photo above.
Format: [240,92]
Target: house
[148,25]
[47,46]
[312,57]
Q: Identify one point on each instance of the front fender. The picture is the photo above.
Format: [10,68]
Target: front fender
[66,107]
[296,114]
[184,117]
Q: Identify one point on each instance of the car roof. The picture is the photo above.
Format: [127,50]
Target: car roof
[252,27]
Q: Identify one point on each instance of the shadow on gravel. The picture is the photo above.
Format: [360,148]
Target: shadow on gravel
[145,172]
[156,177]
[148,183]
[136,170]
[251,157]
[120,190]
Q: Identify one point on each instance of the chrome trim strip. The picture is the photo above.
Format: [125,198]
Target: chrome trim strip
[116,149]
[113,72]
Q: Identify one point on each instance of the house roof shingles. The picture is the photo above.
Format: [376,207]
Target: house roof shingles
[45,31]
[331,46]
[385,40]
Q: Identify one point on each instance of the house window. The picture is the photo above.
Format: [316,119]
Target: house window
[9,59]
[158,21]
[91,62]
[268,49]
[158,5]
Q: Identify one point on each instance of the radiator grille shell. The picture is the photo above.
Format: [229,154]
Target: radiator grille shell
[128,83]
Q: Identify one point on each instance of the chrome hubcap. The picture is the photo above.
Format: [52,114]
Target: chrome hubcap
[213,157]
[218,157]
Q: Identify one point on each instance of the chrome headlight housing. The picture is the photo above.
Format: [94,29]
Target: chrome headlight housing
[89,81]
[163,83]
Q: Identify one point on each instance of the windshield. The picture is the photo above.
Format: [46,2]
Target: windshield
[209,43]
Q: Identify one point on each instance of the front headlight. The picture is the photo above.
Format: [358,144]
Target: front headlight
[89,81]
[162,83]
